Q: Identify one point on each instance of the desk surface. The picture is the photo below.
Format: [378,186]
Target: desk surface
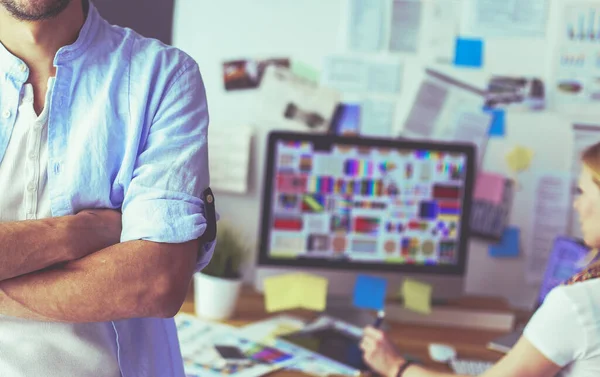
[411,339]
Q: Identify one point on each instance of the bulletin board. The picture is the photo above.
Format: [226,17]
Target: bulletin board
[310,32]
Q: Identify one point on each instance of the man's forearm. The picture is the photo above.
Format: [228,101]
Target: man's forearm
[128,280]
[33,245]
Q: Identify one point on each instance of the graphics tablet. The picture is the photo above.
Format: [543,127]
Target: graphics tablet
[336,341]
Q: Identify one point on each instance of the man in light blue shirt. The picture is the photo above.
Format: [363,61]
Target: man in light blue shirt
[103,224]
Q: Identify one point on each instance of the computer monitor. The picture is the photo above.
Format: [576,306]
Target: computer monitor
[338,206]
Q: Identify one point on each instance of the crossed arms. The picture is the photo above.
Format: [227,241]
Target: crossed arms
[73,269]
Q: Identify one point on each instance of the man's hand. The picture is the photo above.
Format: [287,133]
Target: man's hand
[35,245]
[379,352]
[105,225]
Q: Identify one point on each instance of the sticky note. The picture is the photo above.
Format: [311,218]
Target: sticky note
[295,291]
[305,71]
[489,187]
[312,292]
[498,121]
[277,293]
[417,296]
[469,52]
[369,292]
[519,158]
[508,246]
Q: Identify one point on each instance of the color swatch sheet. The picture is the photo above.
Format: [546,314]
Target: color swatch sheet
[366,204]
[198,339]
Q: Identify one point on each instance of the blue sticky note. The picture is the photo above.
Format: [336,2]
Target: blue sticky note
[469,52]
[497,126]
[509,244]
[369,292]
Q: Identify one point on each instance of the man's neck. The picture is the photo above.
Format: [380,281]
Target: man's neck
[36,42]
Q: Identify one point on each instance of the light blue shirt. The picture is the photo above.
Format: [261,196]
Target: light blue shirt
[127,129]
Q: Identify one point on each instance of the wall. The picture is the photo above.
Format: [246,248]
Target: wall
[150,18]
[309,30]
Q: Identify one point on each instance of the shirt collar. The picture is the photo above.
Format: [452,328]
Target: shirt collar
[12,66]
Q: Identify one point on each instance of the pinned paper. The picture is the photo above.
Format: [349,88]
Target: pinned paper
[295,291]
[489,187]
[519,158]
[305,71]
[369,292]
[417,296]
[498,121]
[508,246]
[469,52]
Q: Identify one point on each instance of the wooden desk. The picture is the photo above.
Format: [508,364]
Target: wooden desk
[412,340]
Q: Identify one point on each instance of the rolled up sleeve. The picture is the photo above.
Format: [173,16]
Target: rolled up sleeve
[163,202]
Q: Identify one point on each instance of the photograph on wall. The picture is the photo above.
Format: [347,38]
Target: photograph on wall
[248,73]
[287,101]
[527,93]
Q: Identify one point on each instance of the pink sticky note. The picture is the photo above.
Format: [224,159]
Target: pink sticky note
[489,187]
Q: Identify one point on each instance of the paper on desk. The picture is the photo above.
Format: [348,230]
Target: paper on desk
[267,332]
[406,25]
[297,290]
[365,25]
[519,158]
[508,18]
[229,151]
[417,296]
[550,219]
[198,338]
[288,101]
[350,74]
[489,187]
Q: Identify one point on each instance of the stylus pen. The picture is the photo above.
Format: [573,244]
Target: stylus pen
[379,320]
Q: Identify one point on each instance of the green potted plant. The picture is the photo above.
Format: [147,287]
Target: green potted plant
[217,286]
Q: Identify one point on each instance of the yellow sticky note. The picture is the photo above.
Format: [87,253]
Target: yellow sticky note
[519,158]
[279,292]
[417,296]
[312,292]
[292,291]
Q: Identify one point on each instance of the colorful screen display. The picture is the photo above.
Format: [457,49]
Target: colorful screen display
[365,204]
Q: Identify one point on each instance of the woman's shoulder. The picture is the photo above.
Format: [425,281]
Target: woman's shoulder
[584,299]
[582,289]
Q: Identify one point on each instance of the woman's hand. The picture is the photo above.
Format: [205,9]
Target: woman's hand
[379,352]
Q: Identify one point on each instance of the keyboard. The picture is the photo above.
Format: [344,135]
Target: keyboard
[470,367]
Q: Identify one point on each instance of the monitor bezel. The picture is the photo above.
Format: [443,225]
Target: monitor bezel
[276,136]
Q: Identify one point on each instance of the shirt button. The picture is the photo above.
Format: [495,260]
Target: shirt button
[6,114]
[23,67]
[32,155]
[31,187]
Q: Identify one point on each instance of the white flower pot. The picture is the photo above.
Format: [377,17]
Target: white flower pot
[215,298]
